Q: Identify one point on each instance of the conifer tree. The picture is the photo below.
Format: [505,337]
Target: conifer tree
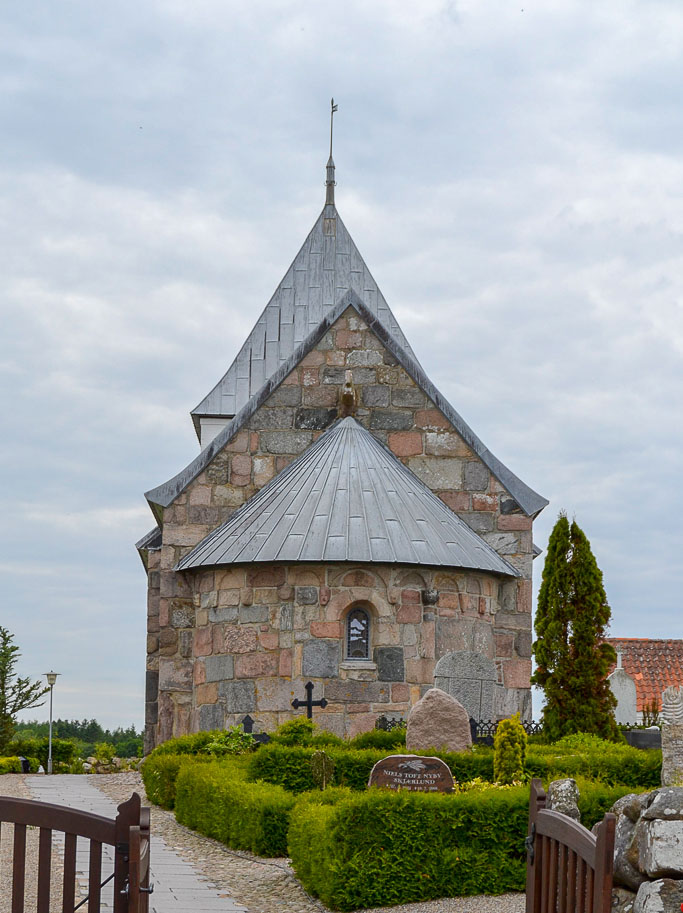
[15,693]
[572,660]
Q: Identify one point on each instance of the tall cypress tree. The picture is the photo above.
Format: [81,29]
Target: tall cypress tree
[572,660]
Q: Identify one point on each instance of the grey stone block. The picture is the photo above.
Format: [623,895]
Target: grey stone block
[282,418]
[223,613]
[307,595]
[332,375]
[185,643]
[240,697]
[464,664]
[376,395]
[387,420]
[479,521]
[253,613]
[357,692]
[476,476]
[523,644]
[314,419]
[151,685]
[320,659]
[407,396]
[509,506]
[218,668]
[175,674]
[390,666]
[286,395]
[211,716]
[438,472]
[182,618]
[503,543]
[208,600]
[286,616]
[151,712]
[285,441]
[364,358]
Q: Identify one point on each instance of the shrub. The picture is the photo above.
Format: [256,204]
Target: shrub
[187,744]
[298,731]
[63,751]
[159,774]
[509,751]
[105,751]
[12,765]
[465,843]
[588,756]
[232,741]
[215,799]
[380,739]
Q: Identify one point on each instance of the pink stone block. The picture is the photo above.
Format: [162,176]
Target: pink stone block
[517,673]
[405,443]
[514,522]
[199,673]
[269,641]
[285,666]
[409,614]
[400,693]
[203,641]
[325,629]
[238,639]
[256,665]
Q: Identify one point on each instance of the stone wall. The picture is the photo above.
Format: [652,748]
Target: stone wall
[398,413]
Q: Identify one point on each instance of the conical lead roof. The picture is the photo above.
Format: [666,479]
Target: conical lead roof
[346,498]
[326,267]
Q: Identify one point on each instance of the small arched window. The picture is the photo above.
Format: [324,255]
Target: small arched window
[358,634]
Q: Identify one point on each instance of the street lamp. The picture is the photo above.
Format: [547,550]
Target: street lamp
[51,679]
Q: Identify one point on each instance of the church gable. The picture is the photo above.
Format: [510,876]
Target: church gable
[388,402]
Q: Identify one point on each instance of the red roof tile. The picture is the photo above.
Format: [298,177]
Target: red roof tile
[653,665]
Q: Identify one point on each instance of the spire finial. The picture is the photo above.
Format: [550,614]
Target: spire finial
[330,182]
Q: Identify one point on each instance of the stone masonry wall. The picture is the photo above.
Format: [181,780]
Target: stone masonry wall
[398,413]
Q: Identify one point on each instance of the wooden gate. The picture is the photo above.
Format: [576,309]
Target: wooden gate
[127,834]
[569,870]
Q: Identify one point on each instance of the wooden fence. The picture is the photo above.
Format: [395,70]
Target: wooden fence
[569,869]
[127,834]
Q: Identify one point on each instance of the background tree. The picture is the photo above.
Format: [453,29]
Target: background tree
[15,693]
[572,660]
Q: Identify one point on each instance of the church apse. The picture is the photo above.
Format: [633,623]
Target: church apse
[345,479]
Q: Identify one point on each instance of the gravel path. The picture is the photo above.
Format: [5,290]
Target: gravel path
[269,886]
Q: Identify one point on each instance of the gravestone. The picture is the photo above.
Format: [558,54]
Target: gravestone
[412,772]
[672,737]
[438,721]
[471,679]
[624,689]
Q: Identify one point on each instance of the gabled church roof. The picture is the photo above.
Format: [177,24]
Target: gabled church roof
[346,498]
[529,500]
[326,267]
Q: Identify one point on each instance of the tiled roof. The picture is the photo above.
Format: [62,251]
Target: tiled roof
[346,498]
[652,664]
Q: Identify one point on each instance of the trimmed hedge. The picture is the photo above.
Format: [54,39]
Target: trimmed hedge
[12,765]
[215,799]
[159,775]
[382,848]
[614,764]
[63,751]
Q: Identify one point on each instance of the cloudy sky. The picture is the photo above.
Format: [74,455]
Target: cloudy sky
[512,174]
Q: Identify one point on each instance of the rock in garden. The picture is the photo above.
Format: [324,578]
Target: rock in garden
[662,896]
[563,796]
[627,810]
[438,721]
[622,900]
[659,847]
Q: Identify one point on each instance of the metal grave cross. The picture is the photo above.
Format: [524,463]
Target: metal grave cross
[309,703]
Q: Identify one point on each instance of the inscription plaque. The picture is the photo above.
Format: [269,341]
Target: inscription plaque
[412,772]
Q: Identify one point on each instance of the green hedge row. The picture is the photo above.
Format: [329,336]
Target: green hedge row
[290,767]
[12,765]
[63,750]
[380,848]
[215,799]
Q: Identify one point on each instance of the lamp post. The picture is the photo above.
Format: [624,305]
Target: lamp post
[51,679]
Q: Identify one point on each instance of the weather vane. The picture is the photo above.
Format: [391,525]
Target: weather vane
[333,108]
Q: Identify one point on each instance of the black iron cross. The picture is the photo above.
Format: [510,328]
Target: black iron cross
[309,703]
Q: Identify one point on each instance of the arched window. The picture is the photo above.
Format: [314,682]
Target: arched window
[358,634]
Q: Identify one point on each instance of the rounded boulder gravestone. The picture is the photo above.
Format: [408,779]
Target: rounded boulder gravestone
[438,721]
[412,772]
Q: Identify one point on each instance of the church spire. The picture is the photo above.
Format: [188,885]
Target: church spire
[330,182]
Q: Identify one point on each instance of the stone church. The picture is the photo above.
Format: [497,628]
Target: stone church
[341,525]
